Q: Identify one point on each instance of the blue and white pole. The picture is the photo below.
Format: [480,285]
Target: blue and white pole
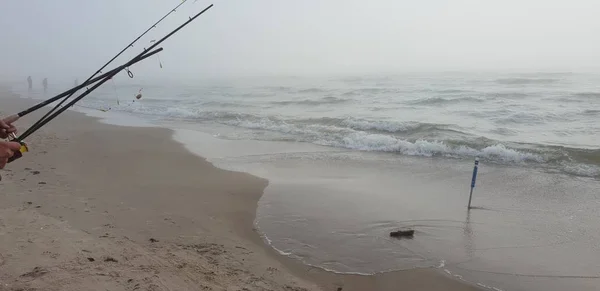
[473,180]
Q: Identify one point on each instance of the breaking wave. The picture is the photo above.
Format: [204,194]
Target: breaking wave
[406,138]
[365,115]
[440,100]
[525,81]
[326,100]
[588,94]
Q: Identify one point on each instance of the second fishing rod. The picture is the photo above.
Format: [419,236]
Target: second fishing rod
[108,76]
[71,92]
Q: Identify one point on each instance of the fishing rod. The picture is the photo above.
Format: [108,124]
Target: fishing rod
[24,148]
[105,65]
[105,79]
[14,117]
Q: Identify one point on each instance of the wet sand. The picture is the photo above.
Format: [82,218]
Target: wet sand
[96,207]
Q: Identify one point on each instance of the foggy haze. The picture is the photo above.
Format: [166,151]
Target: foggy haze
[70,39]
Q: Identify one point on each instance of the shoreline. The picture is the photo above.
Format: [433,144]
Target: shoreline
[421,279]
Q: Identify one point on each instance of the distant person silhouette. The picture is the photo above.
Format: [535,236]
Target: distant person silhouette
[45,83]
[30,82]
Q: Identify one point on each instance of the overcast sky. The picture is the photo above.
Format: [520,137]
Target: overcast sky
[68,38]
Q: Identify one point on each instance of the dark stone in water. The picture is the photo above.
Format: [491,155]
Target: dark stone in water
[403,233]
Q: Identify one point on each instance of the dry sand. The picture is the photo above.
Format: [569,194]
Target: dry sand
[102,207]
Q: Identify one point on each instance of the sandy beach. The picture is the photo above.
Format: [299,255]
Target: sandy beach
[102,207]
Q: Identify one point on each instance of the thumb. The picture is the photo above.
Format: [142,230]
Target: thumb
[14,146]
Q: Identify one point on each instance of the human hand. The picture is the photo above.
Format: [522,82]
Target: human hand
[7,150]
[7,127]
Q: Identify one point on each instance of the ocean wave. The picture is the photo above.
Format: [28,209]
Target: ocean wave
[583,170]
[440,100]
[587,94]
[326,100]
[312,90]
[358,135]
[227,104]
[526,81]
[531,118]
[386,143]
[405,128]
[276,88]
[364,91]
[503,131]
[351,138]
[566,99]
[591,112]
[507,95]
[454,91]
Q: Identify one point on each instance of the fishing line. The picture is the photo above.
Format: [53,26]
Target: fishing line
[116,93]
[112,74]
[110,61]
[49,101]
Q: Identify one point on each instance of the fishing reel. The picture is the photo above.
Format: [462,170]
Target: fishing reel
[21,151]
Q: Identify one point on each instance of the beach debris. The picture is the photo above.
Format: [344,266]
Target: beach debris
[29,202]
[39,206]
[42,183]
[403,233]
[153,240]
[35,172]
[91,259]
[339,289]
[110,259]
[37,272]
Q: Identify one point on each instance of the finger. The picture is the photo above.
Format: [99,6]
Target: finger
[11,118]
[9,153]
[12,128]
[13,146]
